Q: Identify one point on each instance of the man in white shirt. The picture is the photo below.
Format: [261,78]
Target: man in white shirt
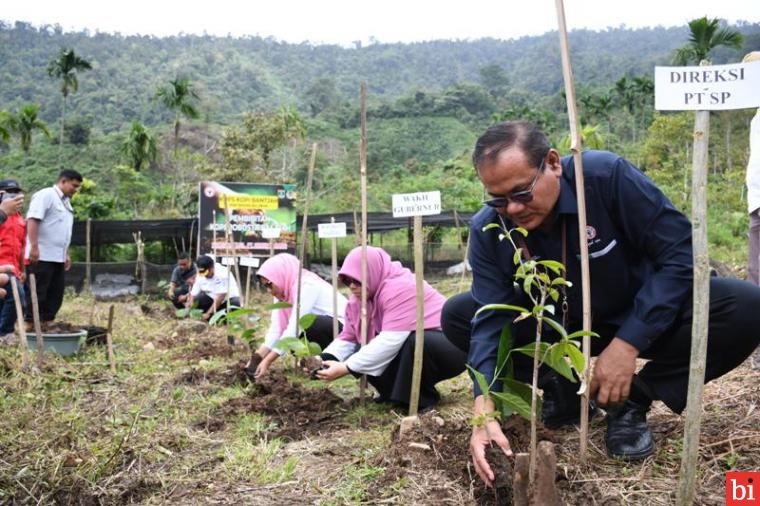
[213,284]
[50,219]
[753,189]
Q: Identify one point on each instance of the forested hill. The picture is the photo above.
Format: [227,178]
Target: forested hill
[242,74]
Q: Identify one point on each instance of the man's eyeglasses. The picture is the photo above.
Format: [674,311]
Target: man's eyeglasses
[522,197]
[350,281]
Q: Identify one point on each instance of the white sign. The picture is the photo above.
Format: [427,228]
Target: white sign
[227,260]
[249,261]
[331,230]
[416,204]
[708,88]
[270,232]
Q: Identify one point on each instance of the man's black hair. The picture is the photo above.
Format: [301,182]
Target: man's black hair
[70,174]
[204,262]
[183,255]
[524,135]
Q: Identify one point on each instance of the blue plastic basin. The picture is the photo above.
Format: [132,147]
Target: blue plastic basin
[62,344]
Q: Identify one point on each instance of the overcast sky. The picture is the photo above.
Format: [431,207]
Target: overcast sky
[344,21]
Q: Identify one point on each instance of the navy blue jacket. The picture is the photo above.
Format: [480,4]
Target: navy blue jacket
[640,257]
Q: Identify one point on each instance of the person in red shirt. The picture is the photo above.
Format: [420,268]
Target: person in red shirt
[12,245]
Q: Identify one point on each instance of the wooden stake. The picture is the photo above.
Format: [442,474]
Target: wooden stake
[464,264]
[304,232]
[230,239]
[419,342]
[363,236]
[36,318]
[109,340]
[21,327]
[88,274]
[575,147]
[248,288]
[334,255]
[701,315]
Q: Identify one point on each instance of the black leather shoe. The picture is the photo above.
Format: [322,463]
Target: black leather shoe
[628,435]
[562,405]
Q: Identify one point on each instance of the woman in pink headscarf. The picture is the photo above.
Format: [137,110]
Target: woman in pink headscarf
[388,357]
[280,275]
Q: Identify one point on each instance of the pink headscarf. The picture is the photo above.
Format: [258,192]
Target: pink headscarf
[391,297]
[282,271]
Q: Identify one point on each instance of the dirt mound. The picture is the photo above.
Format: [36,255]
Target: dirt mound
[235,375]
[295,410]
[59,328]
[200,347]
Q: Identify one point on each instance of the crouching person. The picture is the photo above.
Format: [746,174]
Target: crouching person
[183,277]
[212,287]
[388,357]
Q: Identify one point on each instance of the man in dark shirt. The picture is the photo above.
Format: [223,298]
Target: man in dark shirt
[641,282]
[182,280]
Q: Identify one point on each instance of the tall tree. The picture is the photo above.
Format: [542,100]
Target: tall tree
[26,122]
[66,67]
[7,127]
[179,96]
[704,36]
[140,147]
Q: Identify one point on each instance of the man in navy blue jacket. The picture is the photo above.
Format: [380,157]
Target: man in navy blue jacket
[641,282]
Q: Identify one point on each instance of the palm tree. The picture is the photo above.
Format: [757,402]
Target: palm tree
[178,96]
[26,122]
[66,68]
[705,35]
[140,146]
[7,126]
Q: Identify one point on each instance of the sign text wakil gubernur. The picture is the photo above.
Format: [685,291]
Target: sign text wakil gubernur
[416,204]
[713,87]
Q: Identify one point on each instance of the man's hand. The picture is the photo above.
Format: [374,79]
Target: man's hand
[34,254]
[332,371]
[482,437]
[13,205]
[206,316]
[613,372]
[67,262]
[22,277]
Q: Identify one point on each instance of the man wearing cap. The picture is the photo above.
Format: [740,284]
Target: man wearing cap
[212,286]
[50,219]
[12,244]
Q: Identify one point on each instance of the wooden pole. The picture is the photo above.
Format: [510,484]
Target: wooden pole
[464,264]
[21,327]
[36,318]
[213,231]
[334,255]
[271,248]
[419,342]
[248,287]
[88,275]
[363,237]
[701,315]
[109,341]
[304,232]
[230,239]
[575,147]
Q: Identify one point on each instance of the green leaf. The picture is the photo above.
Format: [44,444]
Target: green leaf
[216,317]
[524,391]
[182,313]
[237,313]
[196,314]
[506,342]
[559,281]
[553,265]
[514,402]
[314,348]
[307,321]
[482,383]
[528,349]
[528,282]
[555,359]
[581,333]
[522,231]
[554,294]
[516,256]
[278,305]
[556,326]
[490,226]
[288,343]
[501,307]
[247,334]
[576,357]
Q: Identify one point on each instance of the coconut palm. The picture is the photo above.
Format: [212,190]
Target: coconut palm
[178,96]
[66,67]
[26,122]
[7,127]
[704,36]
[140,146]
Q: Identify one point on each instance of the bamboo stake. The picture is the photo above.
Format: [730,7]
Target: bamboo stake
[575,147]
[231,240]
[88,275]
[419,341]
[304,232]
[464,263]
[247,287]
[334,254]
[109,341]
[363,236]
[21,327]
[701,316]
[36,318]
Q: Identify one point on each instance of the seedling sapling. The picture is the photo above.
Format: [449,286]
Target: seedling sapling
[541,281]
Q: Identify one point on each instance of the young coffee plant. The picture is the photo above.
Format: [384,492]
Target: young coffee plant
[236,322]
[299,346]
[190,312]
[541,282]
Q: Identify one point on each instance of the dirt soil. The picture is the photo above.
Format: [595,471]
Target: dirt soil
[60,328]
[296,410]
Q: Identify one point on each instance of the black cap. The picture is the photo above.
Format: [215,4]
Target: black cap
[10,184]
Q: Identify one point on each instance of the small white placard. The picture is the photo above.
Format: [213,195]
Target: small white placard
[331,230]
[249,261]
[270,232]
[227,260]
[708,88]
[416,204]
